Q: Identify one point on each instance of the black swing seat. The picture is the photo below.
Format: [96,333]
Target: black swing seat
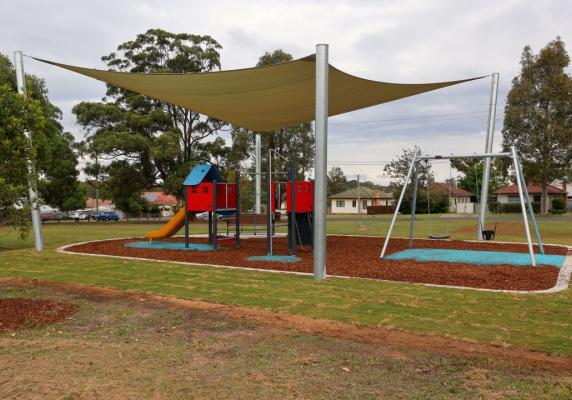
[489,234]
[438,237]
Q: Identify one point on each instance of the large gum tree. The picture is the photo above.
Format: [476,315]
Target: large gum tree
[159,140]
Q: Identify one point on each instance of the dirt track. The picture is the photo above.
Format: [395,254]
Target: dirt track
[359,257]
[365,334]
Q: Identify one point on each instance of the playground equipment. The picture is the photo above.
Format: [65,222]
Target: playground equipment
[170,228]
[525,202]
[299,207]
[205,191]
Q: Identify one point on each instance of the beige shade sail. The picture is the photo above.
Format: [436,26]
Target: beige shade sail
[262,98]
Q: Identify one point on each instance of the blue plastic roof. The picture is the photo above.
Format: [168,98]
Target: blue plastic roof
[202,173]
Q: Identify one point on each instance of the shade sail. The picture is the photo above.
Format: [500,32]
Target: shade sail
[262,98]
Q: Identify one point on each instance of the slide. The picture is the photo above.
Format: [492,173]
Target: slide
[170,228]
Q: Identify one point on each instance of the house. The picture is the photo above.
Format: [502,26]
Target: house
[165,202]
[346,202]
[460,200]
[509,194]
[102,204]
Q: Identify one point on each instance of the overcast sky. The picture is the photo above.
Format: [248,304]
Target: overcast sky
[403,41]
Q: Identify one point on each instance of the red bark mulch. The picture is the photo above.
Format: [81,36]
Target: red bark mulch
[359,257]
[28,313]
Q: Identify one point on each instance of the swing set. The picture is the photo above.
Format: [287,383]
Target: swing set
[487,234]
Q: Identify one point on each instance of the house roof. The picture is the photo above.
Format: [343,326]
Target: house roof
[364,193]
[533,188]
[90,203]
[202,172]
[160,198]
[455,191]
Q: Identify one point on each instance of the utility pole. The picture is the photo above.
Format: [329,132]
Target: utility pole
[358,197]
[488,149]
[36,217]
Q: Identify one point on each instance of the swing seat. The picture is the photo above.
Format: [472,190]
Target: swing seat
[489,234]
[439,237]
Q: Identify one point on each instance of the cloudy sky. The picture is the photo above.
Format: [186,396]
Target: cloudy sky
[402,41]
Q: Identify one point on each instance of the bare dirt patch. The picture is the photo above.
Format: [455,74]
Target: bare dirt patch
[359,257]
[28,313]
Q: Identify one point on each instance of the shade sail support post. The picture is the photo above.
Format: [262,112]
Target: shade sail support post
[32,193]
[320,178]
[488,149]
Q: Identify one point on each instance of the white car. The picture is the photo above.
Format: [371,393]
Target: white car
[204,216]
[81,215]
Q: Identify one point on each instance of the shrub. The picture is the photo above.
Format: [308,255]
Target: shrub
[558,204]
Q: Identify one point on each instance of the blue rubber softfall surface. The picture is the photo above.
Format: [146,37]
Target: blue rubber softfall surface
[169,246]
[476,257]
[274,258]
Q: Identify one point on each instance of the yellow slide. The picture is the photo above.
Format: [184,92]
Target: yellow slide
[170,228]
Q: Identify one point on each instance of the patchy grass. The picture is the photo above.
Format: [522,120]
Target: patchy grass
[128,349]
[540,322]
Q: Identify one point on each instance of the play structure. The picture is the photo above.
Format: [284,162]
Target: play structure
[487,234]
[205,191]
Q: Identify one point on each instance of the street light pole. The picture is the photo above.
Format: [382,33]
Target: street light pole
[36,217]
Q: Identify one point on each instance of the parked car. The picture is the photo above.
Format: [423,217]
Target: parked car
[204,216]
[107,216]
[82,215]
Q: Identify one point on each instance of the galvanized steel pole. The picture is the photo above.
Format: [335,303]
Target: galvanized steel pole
[413,203]
[36,217]
[530,210]
[488,149]
[320,181]
[258,167]
[522,206]
[398,206]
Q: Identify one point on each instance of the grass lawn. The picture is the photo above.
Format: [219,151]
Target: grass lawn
[130,349]
[540,322]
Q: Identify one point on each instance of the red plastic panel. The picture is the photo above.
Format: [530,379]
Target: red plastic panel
[304,196]
[200,197]
[226,195]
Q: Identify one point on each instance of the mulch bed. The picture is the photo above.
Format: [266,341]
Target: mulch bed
[28,313]
[359,257]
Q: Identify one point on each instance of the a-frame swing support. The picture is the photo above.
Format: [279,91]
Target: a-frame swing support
[525,202]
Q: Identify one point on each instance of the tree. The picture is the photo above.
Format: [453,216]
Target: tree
[50,151]
[124,186]
[163,140]
[472,178]
[538,115]
[337,181]
[294,142]
[398,168]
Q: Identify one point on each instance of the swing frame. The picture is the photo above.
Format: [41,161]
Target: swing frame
[525,202]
